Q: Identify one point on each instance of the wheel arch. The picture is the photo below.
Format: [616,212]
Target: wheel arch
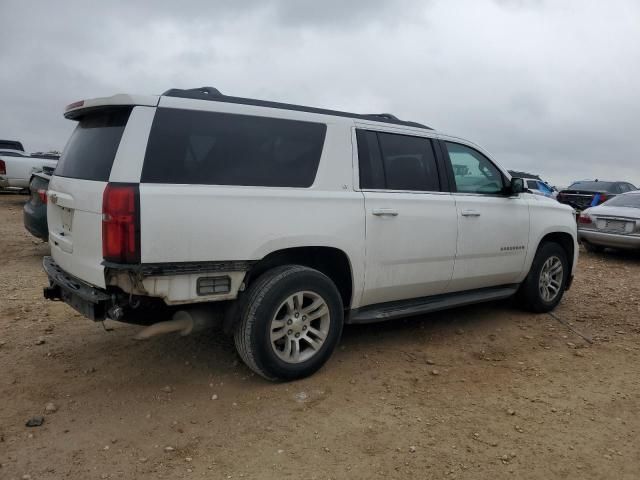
[565,240]
[331,261]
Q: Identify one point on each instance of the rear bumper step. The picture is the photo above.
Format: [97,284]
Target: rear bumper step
[91,302]
[99,304]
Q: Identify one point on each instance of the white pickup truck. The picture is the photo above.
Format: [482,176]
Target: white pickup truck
[290,221]
[17,166]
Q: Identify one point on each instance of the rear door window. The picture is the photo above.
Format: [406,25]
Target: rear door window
[212,148]
[390,161]
[409,163]
[90,151]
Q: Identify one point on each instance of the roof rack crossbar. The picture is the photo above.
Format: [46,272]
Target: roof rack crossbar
[213,94]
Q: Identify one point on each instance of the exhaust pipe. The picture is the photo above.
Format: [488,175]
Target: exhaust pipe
[183,321]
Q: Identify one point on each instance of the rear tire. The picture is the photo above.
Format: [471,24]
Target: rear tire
[544,286]
[291,320]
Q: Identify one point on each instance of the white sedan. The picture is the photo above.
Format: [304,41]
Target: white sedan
[614,223]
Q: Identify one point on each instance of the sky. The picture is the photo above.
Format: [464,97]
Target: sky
[550,87]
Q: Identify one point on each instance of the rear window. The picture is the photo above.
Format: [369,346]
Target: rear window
[592,186]
[11,145]
[627,200]
[211,148]
[90,151]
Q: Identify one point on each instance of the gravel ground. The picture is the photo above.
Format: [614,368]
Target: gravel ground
[481,392]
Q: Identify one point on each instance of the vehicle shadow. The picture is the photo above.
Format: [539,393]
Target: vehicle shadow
[444,323]
[211,354]
[628,256]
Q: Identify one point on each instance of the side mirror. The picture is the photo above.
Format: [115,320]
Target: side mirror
[517,186]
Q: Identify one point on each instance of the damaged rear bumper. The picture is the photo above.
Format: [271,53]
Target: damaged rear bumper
[99,304]
[91,302]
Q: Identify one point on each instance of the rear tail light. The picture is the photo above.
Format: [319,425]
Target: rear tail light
[121,223]
[3,168]
[42,193]
[584,219]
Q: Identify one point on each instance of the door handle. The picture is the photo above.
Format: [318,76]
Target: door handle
[379,212]
[470,213]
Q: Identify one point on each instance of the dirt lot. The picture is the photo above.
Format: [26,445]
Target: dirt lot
[480,392]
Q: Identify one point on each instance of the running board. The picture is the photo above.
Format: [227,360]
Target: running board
[418,306]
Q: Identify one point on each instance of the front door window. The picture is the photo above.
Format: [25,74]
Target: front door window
[473,172]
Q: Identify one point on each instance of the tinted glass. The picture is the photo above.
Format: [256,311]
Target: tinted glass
[11,145]
[592,186]
[625,187]
[626,200]
[90,151]
[409,163]
[473,172]
[369,163]
[532,184]
[210,148]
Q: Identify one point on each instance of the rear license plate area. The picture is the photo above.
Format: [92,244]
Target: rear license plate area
[66,219]
[618,226]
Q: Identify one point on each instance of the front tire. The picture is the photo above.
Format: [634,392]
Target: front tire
[291,320]
[544,286]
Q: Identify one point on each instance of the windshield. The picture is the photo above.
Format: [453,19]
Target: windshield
[592,186]
[631,200]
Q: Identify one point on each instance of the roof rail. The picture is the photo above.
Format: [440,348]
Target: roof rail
[213,94]
[386,116]
[206,92]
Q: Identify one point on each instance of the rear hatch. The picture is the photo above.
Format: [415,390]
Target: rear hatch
[74,208]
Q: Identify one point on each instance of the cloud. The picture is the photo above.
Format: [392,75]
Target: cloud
[548,87]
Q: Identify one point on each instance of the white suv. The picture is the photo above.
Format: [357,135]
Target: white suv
[288,222]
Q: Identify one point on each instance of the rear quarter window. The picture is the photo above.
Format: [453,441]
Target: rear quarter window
[90,151]
[212,148]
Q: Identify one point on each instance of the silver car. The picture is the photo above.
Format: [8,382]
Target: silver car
[614,223]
